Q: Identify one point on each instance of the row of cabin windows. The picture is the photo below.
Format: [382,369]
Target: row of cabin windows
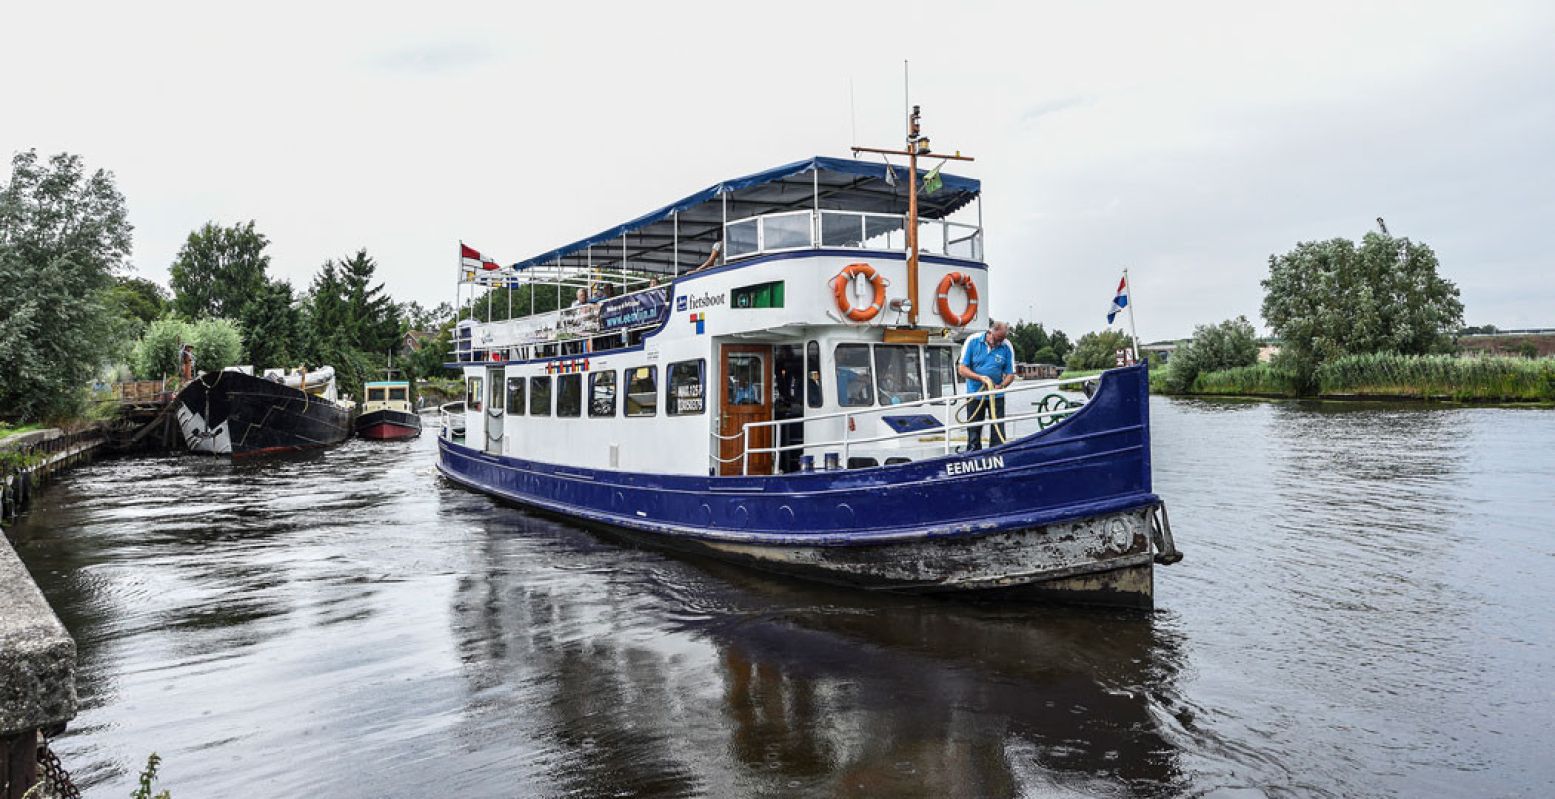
[885,374]
[684,390]
[865,374]
[396,394]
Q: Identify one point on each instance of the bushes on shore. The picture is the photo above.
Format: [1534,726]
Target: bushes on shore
[1486,379]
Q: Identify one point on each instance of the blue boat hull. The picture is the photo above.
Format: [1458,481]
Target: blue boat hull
[1067,510]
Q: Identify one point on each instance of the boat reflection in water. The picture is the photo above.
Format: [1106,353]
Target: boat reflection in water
[758,686]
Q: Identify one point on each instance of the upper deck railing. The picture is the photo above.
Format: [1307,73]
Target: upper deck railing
[803,230]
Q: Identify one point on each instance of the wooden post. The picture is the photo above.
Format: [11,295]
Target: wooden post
[18,763]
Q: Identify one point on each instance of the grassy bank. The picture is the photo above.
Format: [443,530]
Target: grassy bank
[1445,377]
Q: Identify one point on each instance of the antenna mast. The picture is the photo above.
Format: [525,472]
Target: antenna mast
[917,144]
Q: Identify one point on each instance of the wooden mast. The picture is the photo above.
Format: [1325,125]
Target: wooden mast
[917,144]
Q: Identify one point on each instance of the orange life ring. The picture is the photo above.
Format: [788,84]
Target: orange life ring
[964,281]
[840,289]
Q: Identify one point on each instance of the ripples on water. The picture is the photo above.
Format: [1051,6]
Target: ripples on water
[1365,610]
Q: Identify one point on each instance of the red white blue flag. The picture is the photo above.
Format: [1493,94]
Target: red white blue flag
[1120,301]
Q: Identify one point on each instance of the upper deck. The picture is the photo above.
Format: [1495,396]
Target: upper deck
[805,213]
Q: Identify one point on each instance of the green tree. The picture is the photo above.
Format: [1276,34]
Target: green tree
[1331,298]
[219,270]
[353,325]
[1061,345]
[64,234]
[1098,350]
[371,314]
[1027,338]
[155,355]
[272,326]
[1230,344]
[138,298]
[218,343]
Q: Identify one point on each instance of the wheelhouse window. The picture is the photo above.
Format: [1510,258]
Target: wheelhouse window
[897,374]
[399,394]
[569,395]
[812,374]
[515,396]
[540,396]
[941,365]
[855,383]
[642,391]
[684,393]
[602,393]
[375,395]
[472,393]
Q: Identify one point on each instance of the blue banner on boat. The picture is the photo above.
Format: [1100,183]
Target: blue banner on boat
[634,310]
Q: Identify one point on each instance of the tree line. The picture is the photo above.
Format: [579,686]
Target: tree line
[72,310]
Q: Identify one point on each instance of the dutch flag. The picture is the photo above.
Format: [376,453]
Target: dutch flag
[1120,301]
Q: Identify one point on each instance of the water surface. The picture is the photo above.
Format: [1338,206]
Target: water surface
[1365,610]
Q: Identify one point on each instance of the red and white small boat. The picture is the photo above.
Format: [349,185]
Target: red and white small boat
[387,413]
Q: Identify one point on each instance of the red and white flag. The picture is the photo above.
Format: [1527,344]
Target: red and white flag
[471,258]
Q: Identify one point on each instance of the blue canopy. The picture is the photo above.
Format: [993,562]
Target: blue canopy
[840,183]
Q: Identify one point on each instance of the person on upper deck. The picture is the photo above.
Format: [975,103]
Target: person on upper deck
[987,363]
[582,298]
[712,258]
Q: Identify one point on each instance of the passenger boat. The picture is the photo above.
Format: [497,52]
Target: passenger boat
[386,412]
[234,412]
[789,400]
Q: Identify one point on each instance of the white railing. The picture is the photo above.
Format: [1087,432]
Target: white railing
[799,230]
[948,422]
[451,418]
[546,327]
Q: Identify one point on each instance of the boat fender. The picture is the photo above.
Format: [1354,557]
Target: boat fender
[840,291]
[965,282]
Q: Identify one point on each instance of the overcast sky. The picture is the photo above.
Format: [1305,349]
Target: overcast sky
[1185,141]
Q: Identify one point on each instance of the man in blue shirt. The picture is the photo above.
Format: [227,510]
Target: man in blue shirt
[987,363]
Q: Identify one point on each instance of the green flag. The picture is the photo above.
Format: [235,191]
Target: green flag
[932,182]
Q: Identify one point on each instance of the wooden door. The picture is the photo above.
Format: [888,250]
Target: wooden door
[745,388]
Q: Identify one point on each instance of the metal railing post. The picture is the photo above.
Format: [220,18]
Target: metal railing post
[847,424]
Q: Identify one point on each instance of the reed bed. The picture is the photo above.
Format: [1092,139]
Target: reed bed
[1258,380]
[1487,378]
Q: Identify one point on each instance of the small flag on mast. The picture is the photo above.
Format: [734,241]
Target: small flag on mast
[932,182]
[1120,301]
[890,175]
[472,259]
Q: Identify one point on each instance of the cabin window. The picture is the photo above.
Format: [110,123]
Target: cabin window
[569,395]
[897,374]
[786,231]
[375,395]
[472,394]
[399,394]
[941,365]
[761,295]
[747,380]
[740,238]
[515,396]
[812,371]
[683,390]
[540,396]
[642,391]
[602,393]
[855,383]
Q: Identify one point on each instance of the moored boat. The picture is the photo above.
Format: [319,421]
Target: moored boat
[233,412]
[386,412]
[780,404]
